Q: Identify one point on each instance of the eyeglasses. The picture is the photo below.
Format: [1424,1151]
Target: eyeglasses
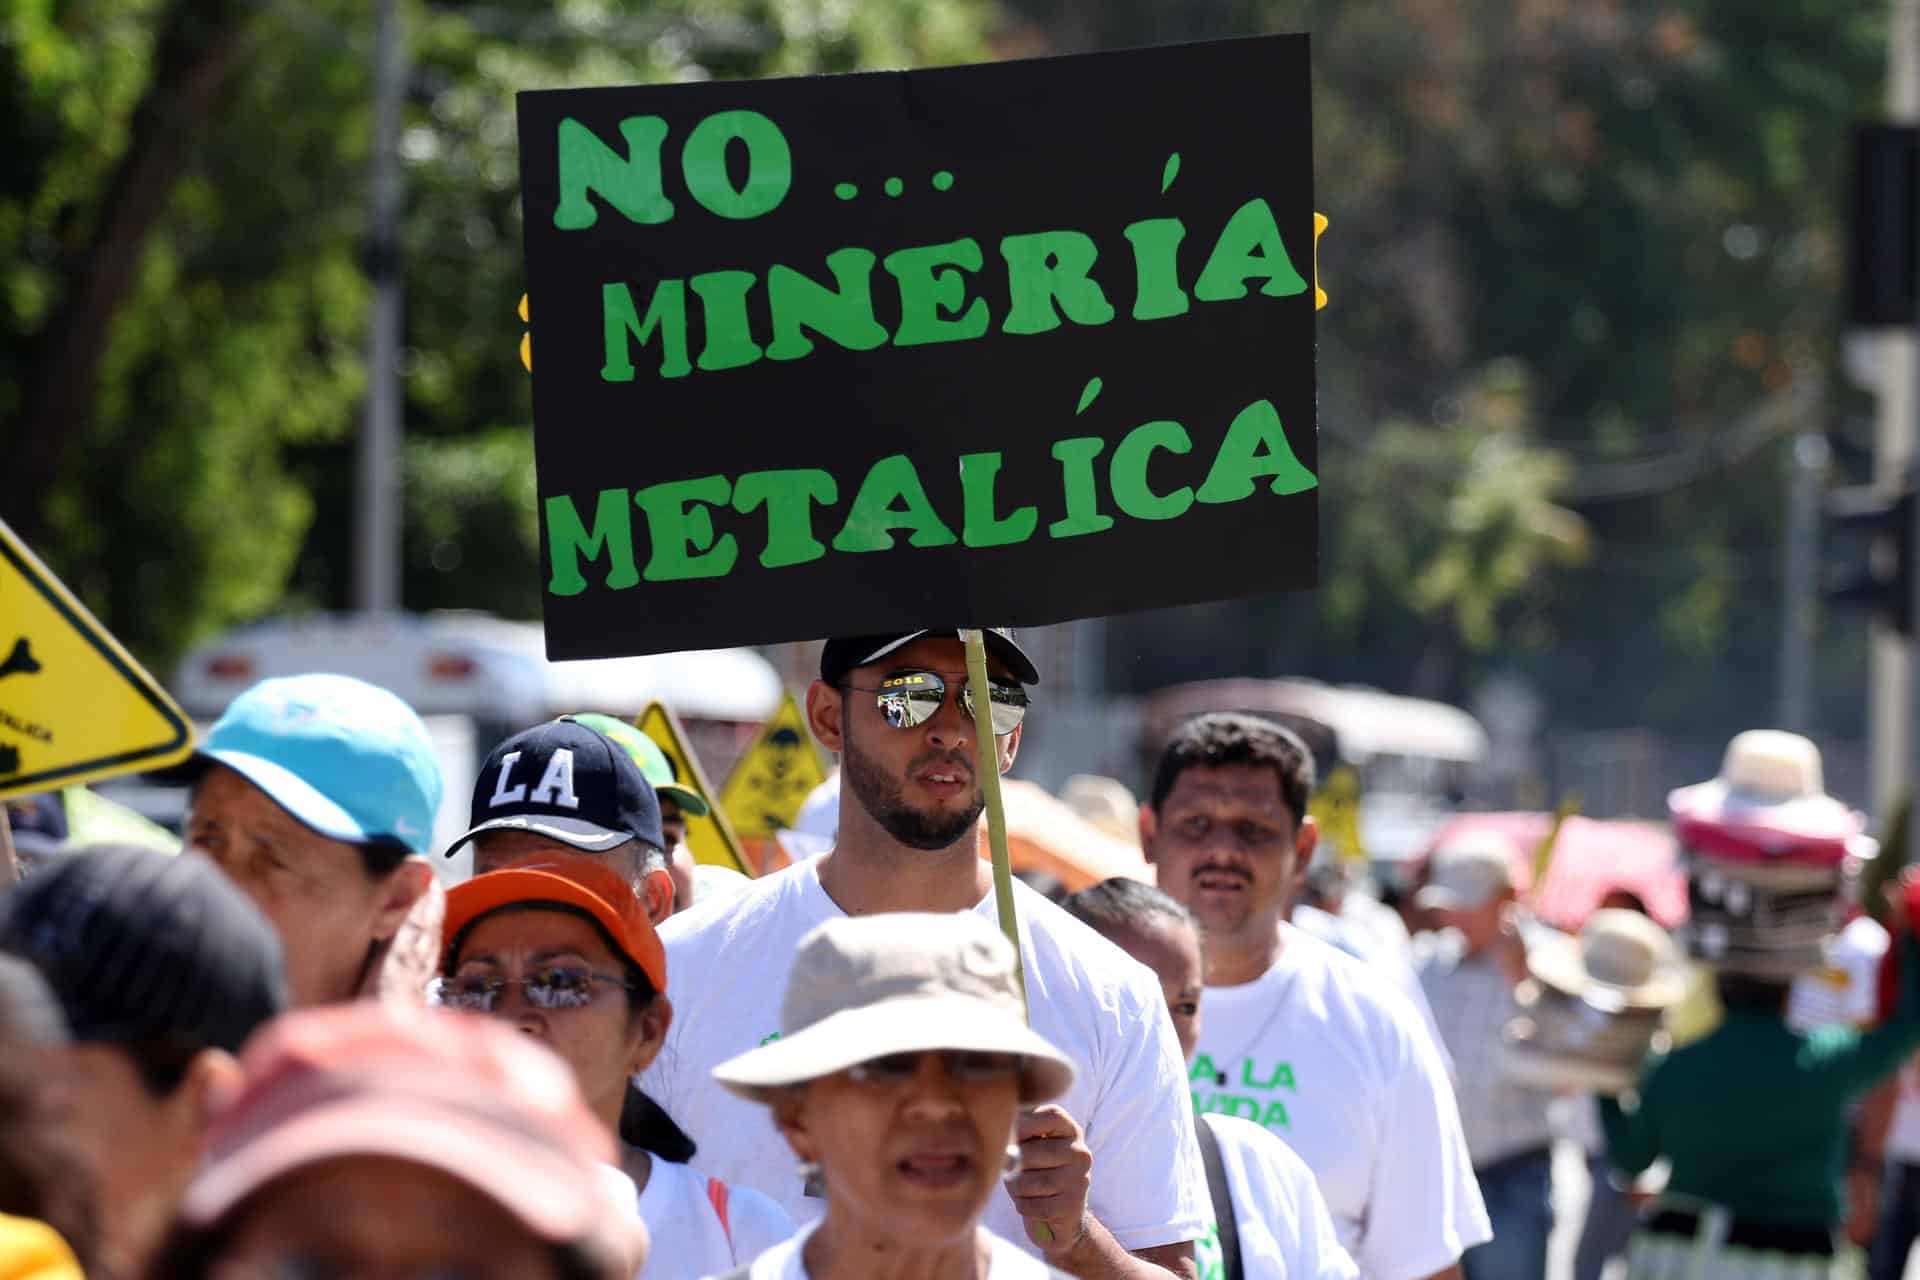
[554,986]
[964,1065]
[908,699]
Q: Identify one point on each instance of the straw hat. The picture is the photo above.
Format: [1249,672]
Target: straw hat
[1769,802]
[865,987]
[1622,961]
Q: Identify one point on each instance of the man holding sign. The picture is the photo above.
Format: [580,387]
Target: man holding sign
[1113,1170]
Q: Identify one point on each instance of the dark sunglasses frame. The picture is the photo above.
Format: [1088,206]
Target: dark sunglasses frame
[968,1066]
[1007,700]
[487,997]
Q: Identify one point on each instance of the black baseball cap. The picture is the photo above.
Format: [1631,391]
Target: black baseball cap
[845,653]
[139,945]
[568,783]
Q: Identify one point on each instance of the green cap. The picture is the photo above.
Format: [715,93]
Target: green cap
[647,754]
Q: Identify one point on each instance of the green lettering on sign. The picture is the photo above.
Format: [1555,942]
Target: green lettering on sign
[666,315]
[568,542]
[769,164]
[874,514]
[1256,446]
[1075,457]
[1128,474]
[683,542]
[723,300]
[984,528]
[1156,270]
[630,183]
[1249,248]
[932,288]
[843,315]
[789,497]
[1051,267]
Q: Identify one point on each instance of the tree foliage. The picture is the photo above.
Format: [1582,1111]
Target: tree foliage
[1573,246]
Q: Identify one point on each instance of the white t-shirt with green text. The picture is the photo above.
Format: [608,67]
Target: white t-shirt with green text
[727,965]
[1326,1055]
[1285,1230]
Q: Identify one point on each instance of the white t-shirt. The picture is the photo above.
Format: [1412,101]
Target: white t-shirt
[726,976]
[1843,991]
[1285,1230]
[1324,1053]
[1004,1262]
[682,1211]
[1397,966]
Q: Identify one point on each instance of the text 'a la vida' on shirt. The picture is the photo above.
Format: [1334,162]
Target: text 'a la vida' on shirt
[726,974]
[1326,1055]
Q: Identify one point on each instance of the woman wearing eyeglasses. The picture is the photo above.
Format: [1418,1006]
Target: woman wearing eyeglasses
[561,947]
[901,1065]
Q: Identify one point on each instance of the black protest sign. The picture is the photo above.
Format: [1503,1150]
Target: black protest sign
[1004,344]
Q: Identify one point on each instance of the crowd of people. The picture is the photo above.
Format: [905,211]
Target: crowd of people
[289,1052]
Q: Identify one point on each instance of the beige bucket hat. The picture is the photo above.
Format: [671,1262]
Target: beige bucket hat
[868,986]
[1621,962]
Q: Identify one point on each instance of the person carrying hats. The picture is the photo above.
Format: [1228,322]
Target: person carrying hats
[897,1077]
[316,795]
[1753,1116]
[1592,1008]
[1111,1183]
[162,970]
[377,1139]
[559,947]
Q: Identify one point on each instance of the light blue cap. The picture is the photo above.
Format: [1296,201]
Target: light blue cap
[345,757]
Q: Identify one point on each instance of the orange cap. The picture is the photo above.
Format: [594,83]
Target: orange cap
[568,879]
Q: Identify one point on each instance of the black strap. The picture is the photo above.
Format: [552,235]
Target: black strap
[1223,1219]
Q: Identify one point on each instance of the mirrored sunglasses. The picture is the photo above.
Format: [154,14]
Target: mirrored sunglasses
[554,986]
[965,1065]
[908,699]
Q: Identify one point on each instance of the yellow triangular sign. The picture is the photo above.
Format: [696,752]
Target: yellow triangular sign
[74,705]
[1335,808]
[772,780]
[711,837]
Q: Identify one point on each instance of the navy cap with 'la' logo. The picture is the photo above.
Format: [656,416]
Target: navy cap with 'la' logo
[566,782]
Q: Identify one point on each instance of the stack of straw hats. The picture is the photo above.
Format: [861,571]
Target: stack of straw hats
[1591,1007]
[1768,855]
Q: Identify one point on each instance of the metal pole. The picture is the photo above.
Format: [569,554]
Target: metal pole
[1807,465]
[376,578]
[1890,708]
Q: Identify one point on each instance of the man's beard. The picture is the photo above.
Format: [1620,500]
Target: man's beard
[885,801]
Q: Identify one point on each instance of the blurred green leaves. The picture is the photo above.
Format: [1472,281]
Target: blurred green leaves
[209,479]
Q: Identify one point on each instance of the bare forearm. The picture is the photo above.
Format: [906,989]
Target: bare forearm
[1447,1273]
[1098,1256]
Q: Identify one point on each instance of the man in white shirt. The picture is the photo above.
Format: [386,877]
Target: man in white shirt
[1300,1037]
[1470,974]
[1112,1170]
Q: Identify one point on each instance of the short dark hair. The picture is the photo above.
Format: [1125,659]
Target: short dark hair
[1230,737]
[1123,904]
